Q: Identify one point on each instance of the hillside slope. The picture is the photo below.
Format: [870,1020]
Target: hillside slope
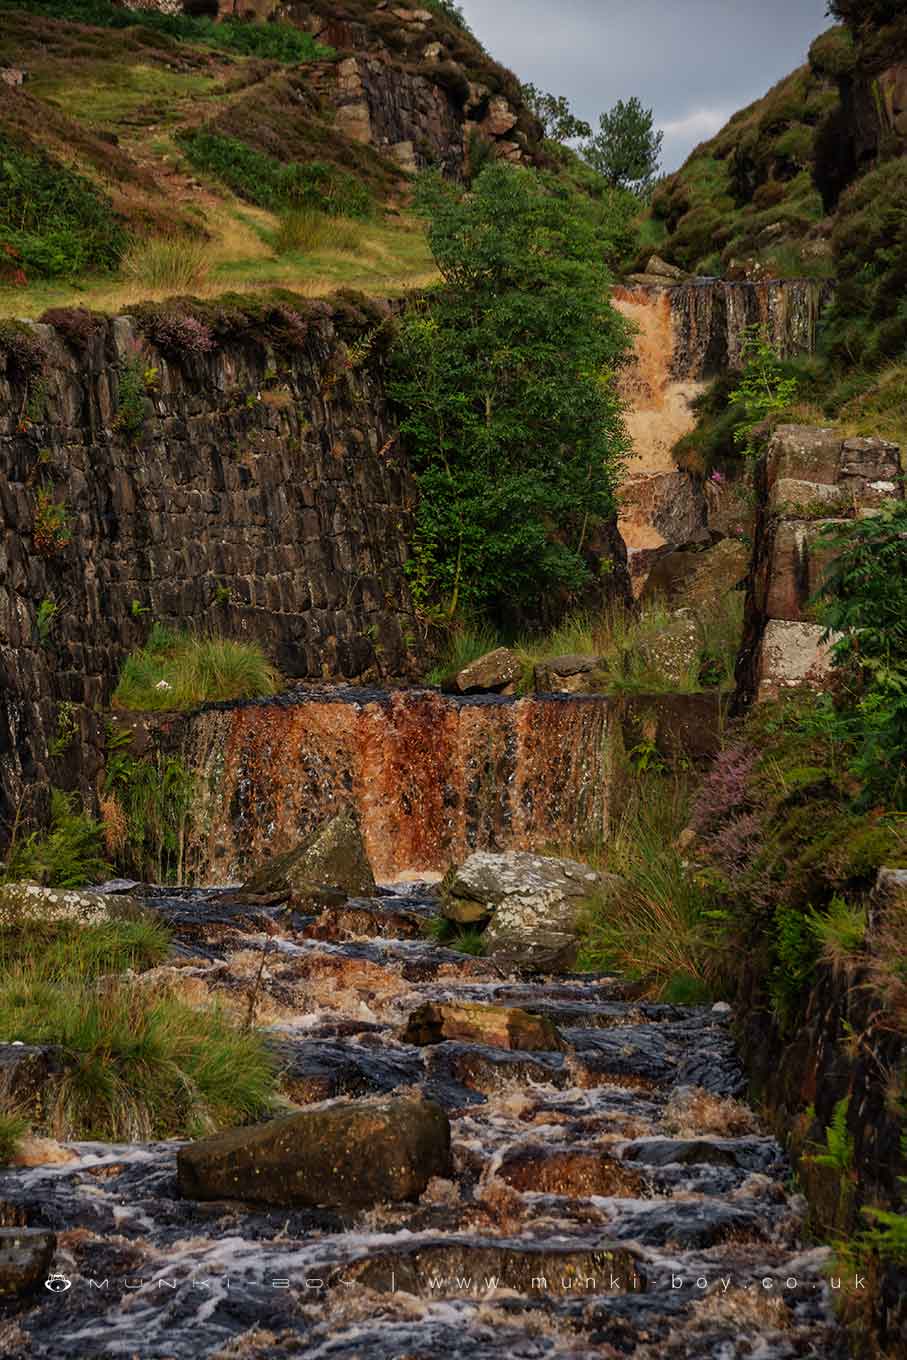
[142,125]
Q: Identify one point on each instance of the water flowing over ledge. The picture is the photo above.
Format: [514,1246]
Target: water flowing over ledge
[432,777]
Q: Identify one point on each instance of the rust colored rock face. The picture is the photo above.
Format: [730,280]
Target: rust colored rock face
[431,778]
[350,1155]
[495,1026]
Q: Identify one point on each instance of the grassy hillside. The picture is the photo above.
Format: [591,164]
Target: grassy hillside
[146,154]
[746,199]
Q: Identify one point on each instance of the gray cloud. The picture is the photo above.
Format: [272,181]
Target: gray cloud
[694,61]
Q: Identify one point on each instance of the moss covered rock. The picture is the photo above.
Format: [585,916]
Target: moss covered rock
[333,856]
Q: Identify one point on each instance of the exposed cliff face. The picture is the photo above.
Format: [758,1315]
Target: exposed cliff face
[686,334]
[432,778]
[808,479]
[263,496]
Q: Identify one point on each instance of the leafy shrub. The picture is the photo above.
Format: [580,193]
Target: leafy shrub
[182,670]
[178,333]
[69,855]
[261,179]
[55,219]
[136,377]
[863,600]
[167,263]
[77,325]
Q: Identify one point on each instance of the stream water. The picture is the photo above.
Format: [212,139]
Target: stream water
[613,1199]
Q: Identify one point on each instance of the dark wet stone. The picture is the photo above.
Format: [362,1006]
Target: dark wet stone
[691,1224]
[574,1171]
[490,1070]
[25,1257]
[315,1070]
[750,1154]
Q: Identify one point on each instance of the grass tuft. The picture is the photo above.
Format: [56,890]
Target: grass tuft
[662,926]
[13,1127]
[170,263]
[140,1064]
[305,230]
[182,670]
[464,644]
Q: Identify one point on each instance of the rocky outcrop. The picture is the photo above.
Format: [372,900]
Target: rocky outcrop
[495,672]
[259,492]
[411,82]
[349,1154]
[808,480]
[25,1257]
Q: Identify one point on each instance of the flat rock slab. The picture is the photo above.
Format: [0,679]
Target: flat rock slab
[749,1154]
[440,1269]
[23,904]
[25,1257]
[349,1154]
[575,1172]
[472,1022]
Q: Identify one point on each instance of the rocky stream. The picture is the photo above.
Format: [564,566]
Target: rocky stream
[605,1191]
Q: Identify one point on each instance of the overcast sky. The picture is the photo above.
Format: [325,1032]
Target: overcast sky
[694,61]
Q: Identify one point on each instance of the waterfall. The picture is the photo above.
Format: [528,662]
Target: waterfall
[431,777]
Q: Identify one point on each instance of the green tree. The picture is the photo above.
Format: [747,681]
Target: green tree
[627,148]
[762,391]
[555,115]
[504,379]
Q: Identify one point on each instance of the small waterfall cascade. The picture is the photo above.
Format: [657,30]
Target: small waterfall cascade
[431,777]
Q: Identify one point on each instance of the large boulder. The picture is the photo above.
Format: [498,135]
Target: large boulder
[534,902]
[495,672]
[30,1077]
[346,1154]
[793,656]
[333,856]
[472,1022]
[25,1257]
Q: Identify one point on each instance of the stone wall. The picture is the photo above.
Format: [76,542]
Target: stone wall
[850,1047]
[263,497]
[808,480]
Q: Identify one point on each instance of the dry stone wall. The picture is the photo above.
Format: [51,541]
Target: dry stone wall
[263,496]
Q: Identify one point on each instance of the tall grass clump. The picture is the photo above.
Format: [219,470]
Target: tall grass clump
[306,230]
[661,925]
[174,263]
[13,1127]
[62,951]
[139,1063]
[179,670]
[68,855]
[622,639]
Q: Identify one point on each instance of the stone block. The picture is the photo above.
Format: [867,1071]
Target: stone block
[793,656]
[805,454]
